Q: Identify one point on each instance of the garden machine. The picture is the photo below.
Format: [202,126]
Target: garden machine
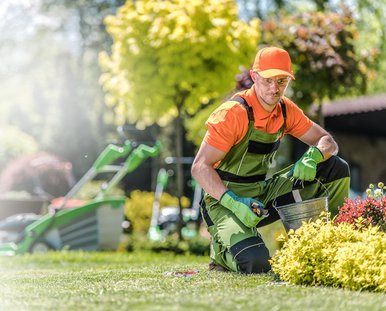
[164,221]
[88,225]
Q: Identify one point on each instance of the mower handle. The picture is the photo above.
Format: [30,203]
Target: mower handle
[162,177]
[112,153]
[140,154]
[136,157]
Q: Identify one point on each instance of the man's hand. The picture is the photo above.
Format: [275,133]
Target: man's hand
[305,168]
[242,208]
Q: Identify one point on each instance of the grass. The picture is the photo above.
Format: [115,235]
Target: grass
[137,281]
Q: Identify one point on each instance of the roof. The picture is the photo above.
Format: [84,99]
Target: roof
[357,116]
[354,105]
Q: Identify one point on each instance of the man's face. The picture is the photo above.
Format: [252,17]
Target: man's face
[270,90]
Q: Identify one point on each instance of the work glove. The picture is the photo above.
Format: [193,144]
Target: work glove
[305,167]
[248,210]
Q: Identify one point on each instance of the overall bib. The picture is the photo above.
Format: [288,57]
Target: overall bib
[243,170]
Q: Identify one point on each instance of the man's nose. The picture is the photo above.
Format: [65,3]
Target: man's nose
[273,86]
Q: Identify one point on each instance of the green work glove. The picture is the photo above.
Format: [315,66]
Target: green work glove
[243,208]
[305,168]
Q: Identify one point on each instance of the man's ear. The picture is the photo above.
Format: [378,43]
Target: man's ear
[253,75]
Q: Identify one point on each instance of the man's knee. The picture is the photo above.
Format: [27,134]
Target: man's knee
[342,167]
[251,256]
[332,169]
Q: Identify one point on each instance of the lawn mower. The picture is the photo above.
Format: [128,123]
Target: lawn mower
[76,224]
[164,221]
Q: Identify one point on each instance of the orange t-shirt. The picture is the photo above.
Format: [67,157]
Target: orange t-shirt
[228,124]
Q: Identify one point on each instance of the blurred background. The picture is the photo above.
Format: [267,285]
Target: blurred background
[72,72]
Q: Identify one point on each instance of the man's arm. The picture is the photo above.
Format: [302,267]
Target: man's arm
[248,210]
[322,147]
[319,137]
[204,173]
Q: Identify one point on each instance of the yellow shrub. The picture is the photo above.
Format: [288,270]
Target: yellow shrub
[322,253]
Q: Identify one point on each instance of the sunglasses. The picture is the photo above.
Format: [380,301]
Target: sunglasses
[271,81]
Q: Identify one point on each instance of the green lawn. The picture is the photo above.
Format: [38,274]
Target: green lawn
[137,281]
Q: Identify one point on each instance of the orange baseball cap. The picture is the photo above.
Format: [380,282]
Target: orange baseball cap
[273,61]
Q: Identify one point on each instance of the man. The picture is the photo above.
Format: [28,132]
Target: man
[242,137]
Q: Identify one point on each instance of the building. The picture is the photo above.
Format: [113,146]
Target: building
[359,126]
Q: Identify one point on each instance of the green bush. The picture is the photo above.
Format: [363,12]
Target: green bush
[322,253]
[94,187]
[138,208]
[138,242]
[14,143]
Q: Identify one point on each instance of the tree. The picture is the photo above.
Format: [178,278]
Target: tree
[169,58]
[49,83]
[80,107]
[324,58]
[369,21]
[372,27]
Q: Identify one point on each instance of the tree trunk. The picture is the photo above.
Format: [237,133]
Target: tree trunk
[319,114]
[179,171]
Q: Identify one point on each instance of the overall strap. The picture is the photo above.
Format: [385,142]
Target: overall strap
[227,176]
[283,108]
[248,108]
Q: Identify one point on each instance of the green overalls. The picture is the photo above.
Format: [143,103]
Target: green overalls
[243,170]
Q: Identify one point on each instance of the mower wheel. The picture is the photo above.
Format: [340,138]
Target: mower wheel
[40,247]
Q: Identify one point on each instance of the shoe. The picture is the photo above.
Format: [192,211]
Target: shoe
[215,267]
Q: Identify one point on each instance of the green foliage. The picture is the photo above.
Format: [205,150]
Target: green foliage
[322,253]
[196,246]
[14,143]
[369,20]
[94,187]
[138,208]
[322,49]
[377,192]
[171,57]
[196,126]
[372,27]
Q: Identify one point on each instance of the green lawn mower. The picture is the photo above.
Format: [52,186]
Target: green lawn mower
[164,220]
[73,224]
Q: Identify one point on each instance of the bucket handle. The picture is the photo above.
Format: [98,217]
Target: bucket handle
[319,182]
[323,186]
[291,177]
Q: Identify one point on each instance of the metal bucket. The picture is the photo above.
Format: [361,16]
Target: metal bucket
[292,215]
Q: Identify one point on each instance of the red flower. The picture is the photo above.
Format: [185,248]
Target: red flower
[372,211]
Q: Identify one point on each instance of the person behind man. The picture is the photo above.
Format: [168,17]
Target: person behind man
[243,135]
